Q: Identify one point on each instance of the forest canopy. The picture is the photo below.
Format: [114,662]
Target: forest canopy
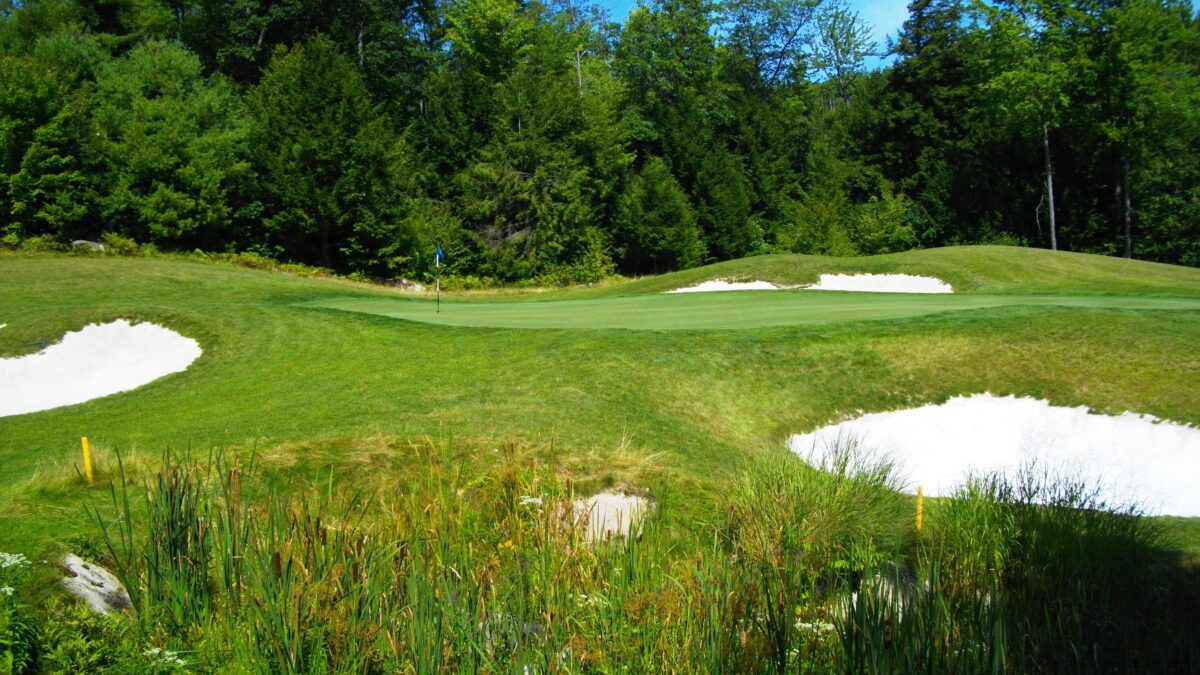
[548,141]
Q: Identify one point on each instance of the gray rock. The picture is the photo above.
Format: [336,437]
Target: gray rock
[94,585]
[84,243]
[407,285]
[891,590]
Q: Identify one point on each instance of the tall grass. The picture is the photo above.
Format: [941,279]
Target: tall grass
[1033,573]
[490,570]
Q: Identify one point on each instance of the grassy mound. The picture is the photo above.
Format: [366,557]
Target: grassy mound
[969,269]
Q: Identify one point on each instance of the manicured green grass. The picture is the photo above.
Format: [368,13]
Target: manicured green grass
[727,310]
[665,410]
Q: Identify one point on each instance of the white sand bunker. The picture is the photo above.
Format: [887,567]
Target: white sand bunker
[726,285]
[98,360]
[881,283]
[611,514]
[1130,458]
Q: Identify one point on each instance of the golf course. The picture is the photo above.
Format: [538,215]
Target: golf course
[388,414]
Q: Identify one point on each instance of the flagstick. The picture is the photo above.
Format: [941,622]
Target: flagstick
[437,283]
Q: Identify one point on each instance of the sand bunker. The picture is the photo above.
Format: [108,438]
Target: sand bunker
[1130,458]
[881,283]
[610,514]
[98,360]
[865,283]
[725,285]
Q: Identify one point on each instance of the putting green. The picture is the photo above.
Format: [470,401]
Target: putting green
[726,310]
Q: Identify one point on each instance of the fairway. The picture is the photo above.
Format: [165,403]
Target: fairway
[723,311]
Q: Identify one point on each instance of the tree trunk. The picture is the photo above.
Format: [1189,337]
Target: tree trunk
[1127,206]
[579,71]
[360,43]
[1050,187]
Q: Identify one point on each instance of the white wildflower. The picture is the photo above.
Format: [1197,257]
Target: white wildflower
[6,590]
[585,600]
[526,500]
[163,657]
[8,560]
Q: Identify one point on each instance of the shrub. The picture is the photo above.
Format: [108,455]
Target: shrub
[884,225]
[42,243]
[16,632]
[75,639]
[119,245]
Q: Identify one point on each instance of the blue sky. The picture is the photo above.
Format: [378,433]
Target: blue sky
[884,16]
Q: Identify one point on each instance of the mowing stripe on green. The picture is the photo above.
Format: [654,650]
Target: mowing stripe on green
[727,310]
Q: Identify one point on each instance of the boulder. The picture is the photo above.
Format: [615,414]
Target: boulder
[90,245]
[611,514]
[94,585]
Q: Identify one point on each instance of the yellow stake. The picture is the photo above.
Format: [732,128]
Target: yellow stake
[920,509]
[87,460]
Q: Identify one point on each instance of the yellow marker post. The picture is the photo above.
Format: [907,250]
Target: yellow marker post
[920,509]
[87,460]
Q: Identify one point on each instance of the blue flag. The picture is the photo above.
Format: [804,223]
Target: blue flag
[440,256]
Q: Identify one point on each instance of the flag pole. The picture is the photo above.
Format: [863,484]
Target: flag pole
[437,281]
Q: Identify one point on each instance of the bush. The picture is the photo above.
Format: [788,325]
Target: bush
[467,282]
[593,264]
[884,225]
[119,245]
[42,243]
[17,635]
[75,639]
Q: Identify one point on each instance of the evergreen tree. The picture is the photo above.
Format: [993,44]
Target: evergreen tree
[656,228]
[174,143]
[325,157]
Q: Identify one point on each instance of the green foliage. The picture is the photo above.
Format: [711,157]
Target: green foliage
[885,225]
[324,153]
[118,245]
[485,563]
[17,633]
[175,142]
[55,191]
[353,136]
[42,243]
[73,638]
[997,554]
[656,226]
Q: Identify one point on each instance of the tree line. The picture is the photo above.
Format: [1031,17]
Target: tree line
[546,140]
